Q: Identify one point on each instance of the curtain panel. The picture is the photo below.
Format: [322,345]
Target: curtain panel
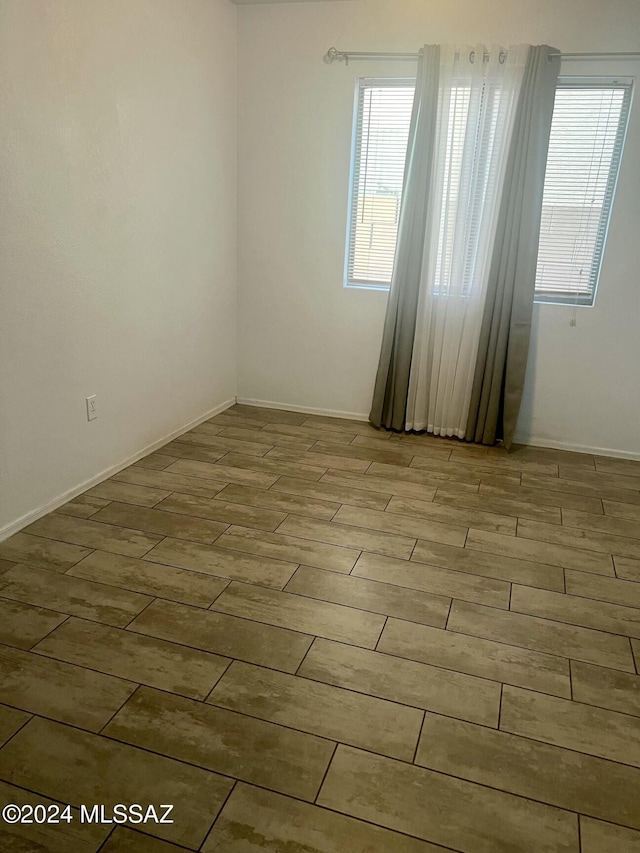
[457,325]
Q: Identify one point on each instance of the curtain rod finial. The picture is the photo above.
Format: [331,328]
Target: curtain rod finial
[333,54]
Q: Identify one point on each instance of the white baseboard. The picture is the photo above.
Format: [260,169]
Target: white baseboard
[303,410]
[34,515]
[535,441]
[532,440]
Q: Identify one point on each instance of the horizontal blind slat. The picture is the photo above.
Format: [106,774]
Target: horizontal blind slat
[585,148]
[382,131]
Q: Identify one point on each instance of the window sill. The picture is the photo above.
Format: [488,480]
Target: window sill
[381,288]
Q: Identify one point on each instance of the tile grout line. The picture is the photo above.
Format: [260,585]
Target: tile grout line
[152,599]
[391,654]
[324,775]
[304,657]
[446,624]
[590,628]
[43,656]
[634,658]
[543,619]
[385,699]
[49,633]
[500,707]
[375,648]
[524,648]
[579,828]
[401,761]
[193,572]
[136,688]
[419,738]
[571,696]
[236,782]
[106,840]
[18,730]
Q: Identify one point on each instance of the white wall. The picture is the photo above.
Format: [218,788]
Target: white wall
[118,229]
[117,232]
[306,341]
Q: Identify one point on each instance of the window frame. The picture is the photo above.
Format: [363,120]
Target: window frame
[363,83]
[583,81]
[564,81]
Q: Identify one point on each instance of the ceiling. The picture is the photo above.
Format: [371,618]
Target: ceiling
[258,2]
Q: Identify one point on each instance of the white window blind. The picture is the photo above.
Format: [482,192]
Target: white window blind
[383,116]
[587,135]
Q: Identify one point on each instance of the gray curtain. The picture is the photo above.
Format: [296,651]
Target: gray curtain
[392,380]
[506,326]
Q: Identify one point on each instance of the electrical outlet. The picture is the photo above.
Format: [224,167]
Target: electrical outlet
[92,408]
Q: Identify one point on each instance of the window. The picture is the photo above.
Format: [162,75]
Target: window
[381,132]
[585,147]
[587,136]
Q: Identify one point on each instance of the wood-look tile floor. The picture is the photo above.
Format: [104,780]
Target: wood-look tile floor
[313,637]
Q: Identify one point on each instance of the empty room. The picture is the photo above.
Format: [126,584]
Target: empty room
[319,426]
